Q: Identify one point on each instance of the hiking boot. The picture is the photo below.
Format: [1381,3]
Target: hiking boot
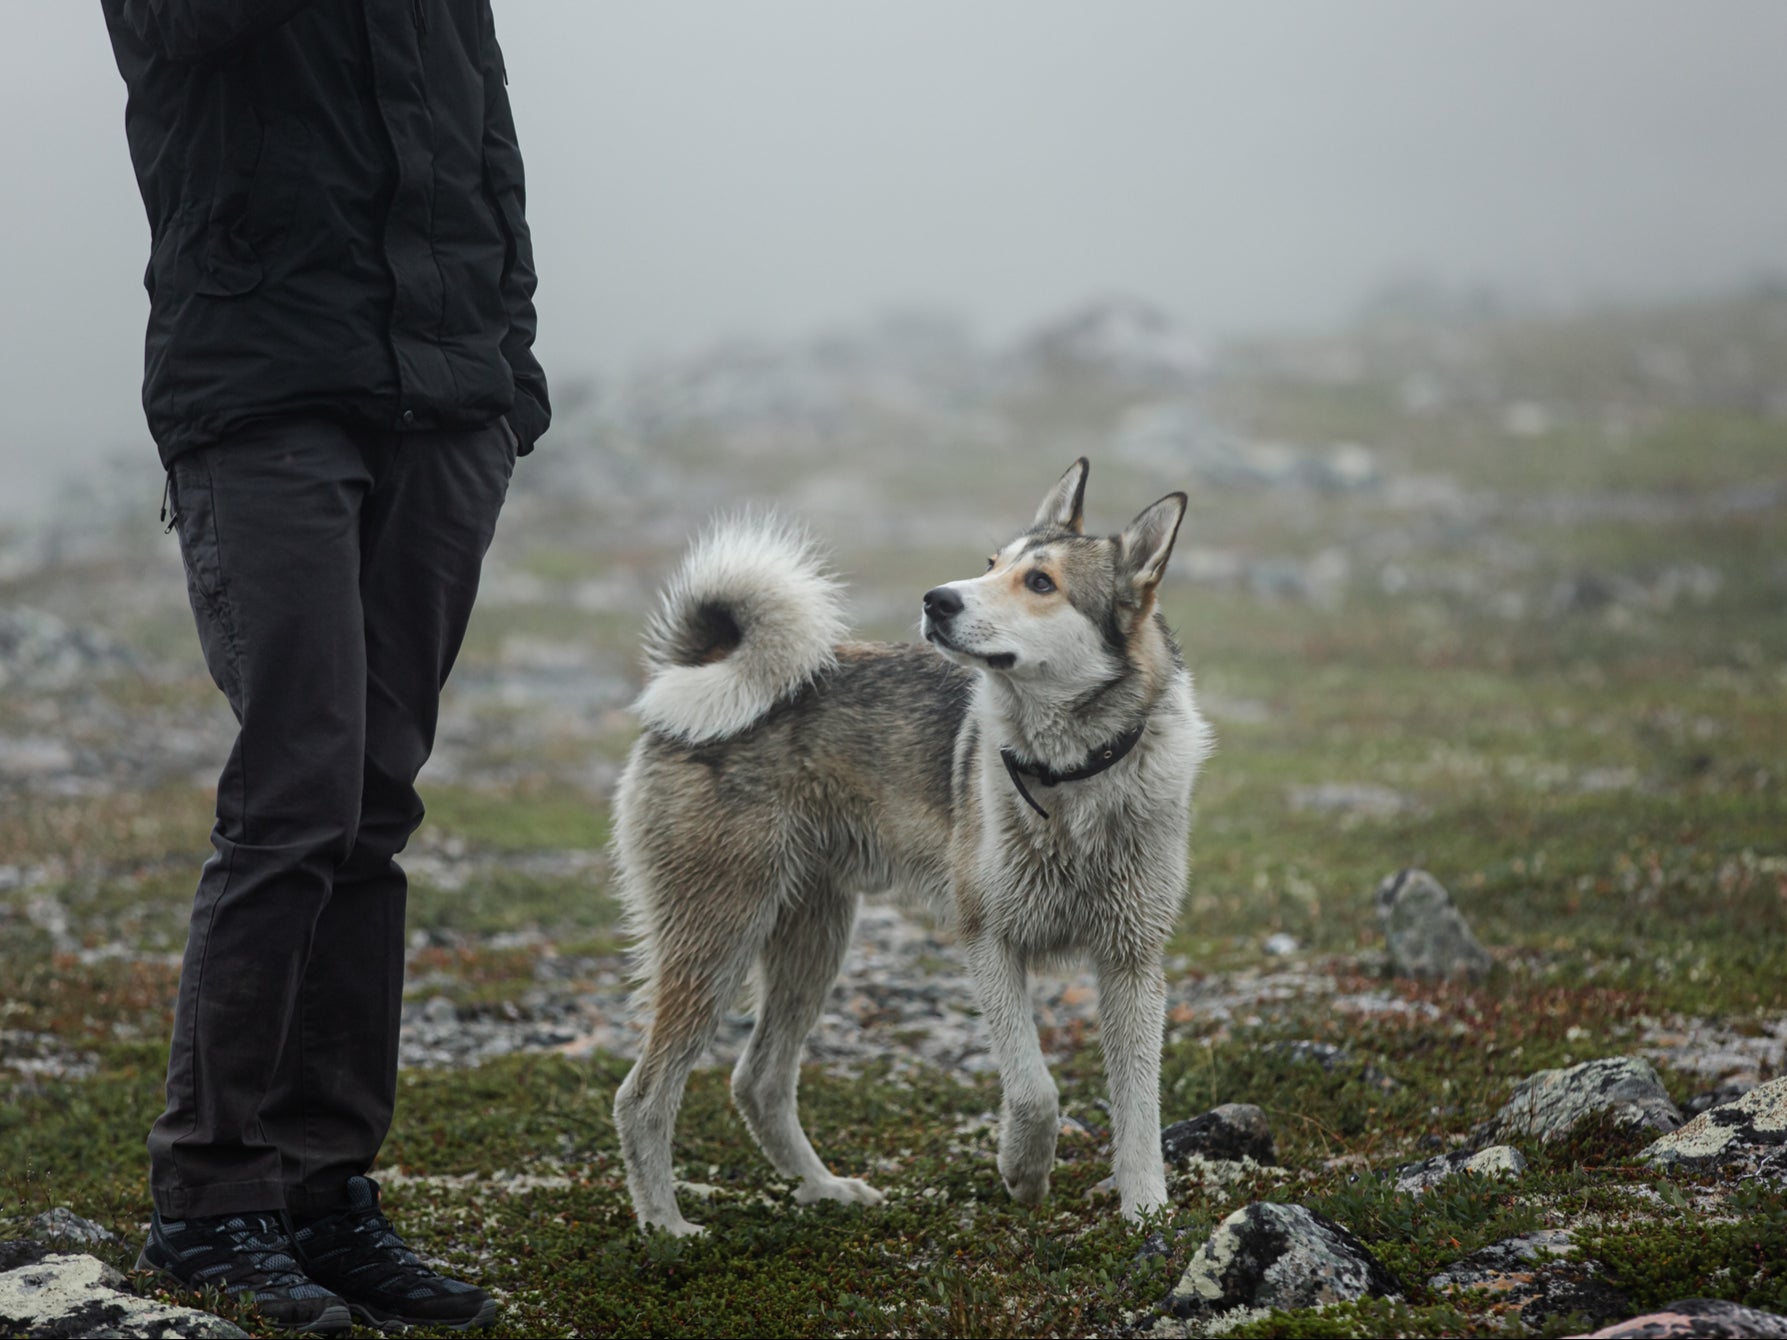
[249,1258]
[358,1254]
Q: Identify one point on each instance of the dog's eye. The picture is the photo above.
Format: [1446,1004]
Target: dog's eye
[1038,581]
[994,559]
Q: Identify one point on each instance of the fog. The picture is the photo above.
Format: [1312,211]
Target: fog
[701,171]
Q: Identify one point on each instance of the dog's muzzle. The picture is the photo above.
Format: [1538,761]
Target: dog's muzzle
[942,604]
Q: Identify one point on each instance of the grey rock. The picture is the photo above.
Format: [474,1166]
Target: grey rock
[1524,1278]
[16,1252]
[440,1010]
[1495,1161]
[1510,1254]
[1728,1091]
[55,1294]
[1325,1054]
[1365,799]
[64,1223]
[1278,1256]
[1756,1121]
[1232,1132]
[1547,1105]
[1701,1318]
[1426,935]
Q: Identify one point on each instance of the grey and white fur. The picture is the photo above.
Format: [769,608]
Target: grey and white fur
[784,772]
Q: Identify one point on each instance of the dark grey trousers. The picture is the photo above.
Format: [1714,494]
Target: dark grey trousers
[331,572]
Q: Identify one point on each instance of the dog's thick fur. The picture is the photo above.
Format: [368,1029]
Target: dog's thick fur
[782,774]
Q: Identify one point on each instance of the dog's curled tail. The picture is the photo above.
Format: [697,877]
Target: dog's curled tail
[749,618]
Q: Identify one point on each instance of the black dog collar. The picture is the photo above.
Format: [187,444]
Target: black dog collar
[1096,762]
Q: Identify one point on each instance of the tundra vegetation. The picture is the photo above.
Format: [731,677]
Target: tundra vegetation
[1498,596]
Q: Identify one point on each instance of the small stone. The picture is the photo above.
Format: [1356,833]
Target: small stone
[64,1223]
[1758,1119]
[440,1010]
[1517,1273]
[1280,945]
[1499,1258]
[1232,1132]
[1701,1318]
[1495,1161]
[1324,1054]
[1278,1256]
[1155,1245]
[1547,1105]
[62,1294]
[1427,936]
[1349,799]
[1729,1090]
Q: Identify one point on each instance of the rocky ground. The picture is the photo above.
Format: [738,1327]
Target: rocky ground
[1476,1016]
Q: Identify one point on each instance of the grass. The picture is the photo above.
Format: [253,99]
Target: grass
[1605,795]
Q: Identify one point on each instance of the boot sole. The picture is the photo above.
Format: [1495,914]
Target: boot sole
[335,1319]
[396,1321]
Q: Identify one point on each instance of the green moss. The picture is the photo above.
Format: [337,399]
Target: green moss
[1693,1255]
[524,819]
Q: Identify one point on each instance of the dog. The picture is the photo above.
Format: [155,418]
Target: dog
[1033,782]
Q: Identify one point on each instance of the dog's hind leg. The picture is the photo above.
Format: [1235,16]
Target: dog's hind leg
[702,958]
[1030,1122]
[1131,1022]
[796,969]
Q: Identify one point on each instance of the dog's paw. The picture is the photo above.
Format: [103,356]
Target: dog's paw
[848,1190]
[1143,1202]
[676,1228]
[1031,1189]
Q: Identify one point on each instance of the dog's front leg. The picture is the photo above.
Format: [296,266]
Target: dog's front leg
[1131,1025]
[1030,1121]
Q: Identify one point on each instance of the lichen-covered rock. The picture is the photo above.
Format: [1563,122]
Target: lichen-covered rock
[1753,1122]
[1232,1132]
[1495,1161]
[1278,1256]
[1498,1258]
[17,1252]
[62,1222]
[1700,1318]
[1550,1103]
[1426,935]
[44,1293]
[1525,1278]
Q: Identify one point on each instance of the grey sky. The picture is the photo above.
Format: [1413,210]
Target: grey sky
[745,166]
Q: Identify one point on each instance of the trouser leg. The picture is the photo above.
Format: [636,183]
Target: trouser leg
[270,532]
[427,523]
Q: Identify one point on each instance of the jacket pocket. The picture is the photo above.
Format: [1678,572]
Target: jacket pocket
[268,167]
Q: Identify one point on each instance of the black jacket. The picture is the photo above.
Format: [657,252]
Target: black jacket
[336,211]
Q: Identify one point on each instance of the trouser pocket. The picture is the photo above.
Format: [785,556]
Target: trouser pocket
[194,519]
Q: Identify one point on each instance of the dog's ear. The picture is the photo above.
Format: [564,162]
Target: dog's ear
[1147,542]
[1061,509]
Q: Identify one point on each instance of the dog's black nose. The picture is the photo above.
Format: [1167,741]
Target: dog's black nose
[941,602]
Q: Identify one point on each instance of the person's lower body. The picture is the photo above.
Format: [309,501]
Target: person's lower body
[332,572]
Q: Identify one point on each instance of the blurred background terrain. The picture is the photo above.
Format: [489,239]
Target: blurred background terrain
[1491,593]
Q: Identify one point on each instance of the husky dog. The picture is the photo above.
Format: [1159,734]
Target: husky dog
[1034,780]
